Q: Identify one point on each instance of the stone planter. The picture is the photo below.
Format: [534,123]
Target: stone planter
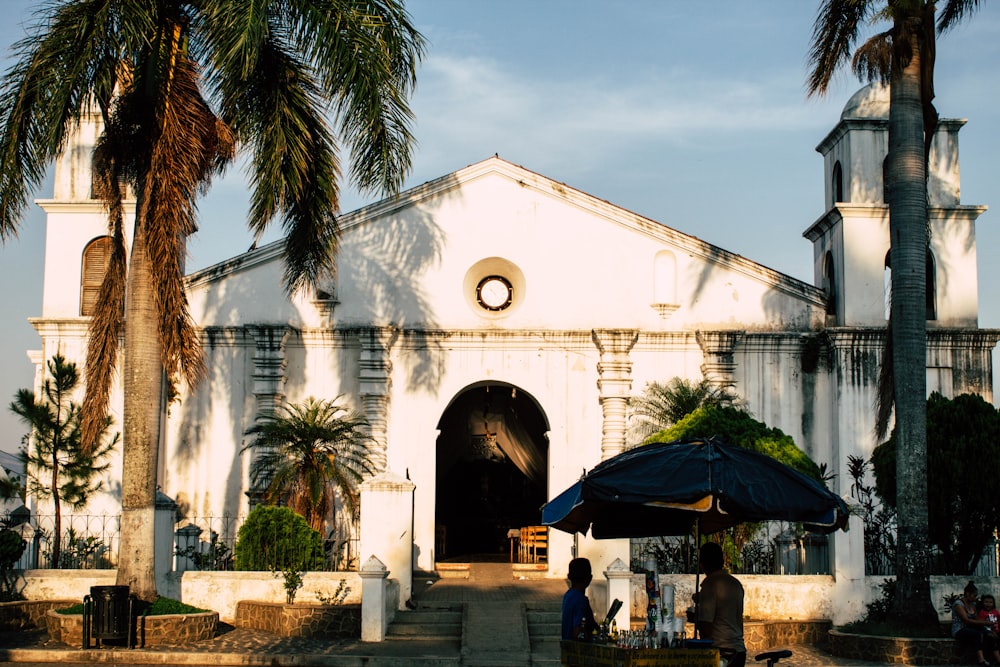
[27,614]
[300,620]
[898,650]
[150,630]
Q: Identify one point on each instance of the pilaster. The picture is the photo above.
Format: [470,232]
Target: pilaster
[376,383]
[719,366]
[614,383]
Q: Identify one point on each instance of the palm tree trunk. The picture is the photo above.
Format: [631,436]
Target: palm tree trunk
[142,384]
[908,247]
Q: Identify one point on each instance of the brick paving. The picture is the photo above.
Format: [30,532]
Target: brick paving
[241,646]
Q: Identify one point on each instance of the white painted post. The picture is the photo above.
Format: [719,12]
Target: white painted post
[164,518]
[619,588]
[374,619]
[387,526]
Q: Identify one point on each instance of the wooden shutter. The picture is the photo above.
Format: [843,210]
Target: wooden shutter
[95,264]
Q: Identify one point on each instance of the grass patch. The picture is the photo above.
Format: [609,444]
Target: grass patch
[161,607]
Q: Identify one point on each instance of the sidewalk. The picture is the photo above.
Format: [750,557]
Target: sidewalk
[487,585]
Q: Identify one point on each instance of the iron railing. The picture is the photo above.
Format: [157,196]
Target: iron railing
[88,542]
[774,547]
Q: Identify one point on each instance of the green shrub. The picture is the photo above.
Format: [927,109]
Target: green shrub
[276,538]
[162,607]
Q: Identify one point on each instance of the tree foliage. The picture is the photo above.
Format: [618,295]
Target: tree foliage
[57,465]
[963,462]
[903,56]
[738,427]
[308,451]
[277,539]
[180,86]
[663,404]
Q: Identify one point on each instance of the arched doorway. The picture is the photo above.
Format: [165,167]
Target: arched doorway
[492,462]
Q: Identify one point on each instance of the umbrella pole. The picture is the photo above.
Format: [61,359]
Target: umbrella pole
[697,577]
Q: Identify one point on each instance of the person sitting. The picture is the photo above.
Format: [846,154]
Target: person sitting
[578,622]
[970,630]
[988,612]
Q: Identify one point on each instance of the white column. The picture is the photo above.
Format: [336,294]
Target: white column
[387,526]
[619,588]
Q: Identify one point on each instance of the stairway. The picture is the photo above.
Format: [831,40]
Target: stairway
[435,622]
[491,617]
[544,632]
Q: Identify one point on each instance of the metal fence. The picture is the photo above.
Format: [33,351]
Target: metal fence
[774,547]
[208,543]
[88,542]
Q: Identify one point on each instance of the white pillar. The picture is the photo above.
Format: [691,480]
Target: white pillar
[164,518]
[374,618]
[387,526]
[619,588]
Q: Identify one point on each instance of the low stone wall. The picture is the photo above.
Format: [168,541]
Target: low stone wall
[300,620]
[896,650]
[765,635]
[149,630]
[27,614]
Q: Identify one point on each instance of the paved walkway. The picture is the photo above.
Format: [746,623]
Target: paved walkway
[490,640]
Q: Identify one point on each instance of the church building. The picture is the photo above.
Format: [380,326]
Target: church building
[492,324]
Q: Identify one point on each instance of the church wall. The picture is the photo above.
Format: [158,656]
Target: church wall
[492,217]
[866,149]
[66,235]
[203,468]
[866,242]
[558,370]
[953,245]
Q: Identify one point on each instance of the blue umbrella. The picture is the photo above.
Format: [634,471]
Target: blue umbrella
[671,488]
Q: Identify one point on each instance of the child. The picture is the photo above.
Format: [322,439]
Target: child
[988,612]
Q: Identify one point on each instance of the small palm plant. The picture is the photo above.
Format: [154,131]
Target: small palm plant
[663,404]
[307,453]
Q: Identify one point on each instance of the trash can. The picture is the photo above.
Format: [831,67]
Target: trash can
[110,615]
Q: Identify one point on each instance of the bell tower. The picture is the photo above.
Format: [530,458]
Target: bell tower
[851,239]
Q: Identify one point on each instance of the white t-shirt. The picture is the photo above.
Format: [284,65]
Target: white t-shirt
[720,609]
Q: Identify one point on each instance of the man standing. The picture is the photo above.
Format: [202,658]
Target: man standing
[720,607]
[578,621]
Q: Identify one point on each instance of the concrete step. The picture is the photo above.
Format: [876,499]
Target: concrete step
[431,623]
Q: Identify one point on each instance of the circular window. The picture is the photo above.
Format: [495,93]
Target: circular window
[494,293]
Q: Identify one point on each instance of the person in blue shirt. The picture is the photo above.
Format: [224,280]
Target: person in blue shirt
[578,623]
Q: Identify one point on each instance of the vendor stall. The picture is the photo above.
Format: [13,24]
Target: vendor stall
[583,654]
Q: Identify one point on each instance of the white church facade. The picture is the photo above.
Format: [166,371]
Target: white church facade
[492,325]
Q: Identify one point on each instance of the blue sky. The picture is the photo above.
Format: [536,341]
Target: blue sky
[692,114]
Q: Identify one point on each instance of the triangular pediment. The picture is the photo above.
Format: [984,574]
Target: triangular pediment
[409,259]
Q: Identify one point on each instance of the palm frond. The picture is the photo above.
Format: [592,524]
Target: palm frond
[835,31]
[954,12]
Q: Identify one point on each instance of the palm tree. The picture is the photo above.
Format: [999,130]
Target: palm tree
[181,84]
[663,404]
[903,57]
[55,463]
[308,451]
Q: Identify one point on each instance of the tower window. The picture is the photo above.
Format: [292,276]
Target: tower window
[96,256]
[829,284]
[838,182]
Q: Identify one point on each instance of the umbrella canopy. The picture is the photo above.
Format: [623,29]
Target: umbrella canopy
[665,488]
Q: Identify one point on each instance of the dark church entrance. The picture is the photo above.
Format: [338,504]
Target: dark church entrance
[492,457]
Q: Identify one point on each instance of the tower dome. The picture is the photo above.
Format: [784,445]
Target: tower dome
[872,101]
